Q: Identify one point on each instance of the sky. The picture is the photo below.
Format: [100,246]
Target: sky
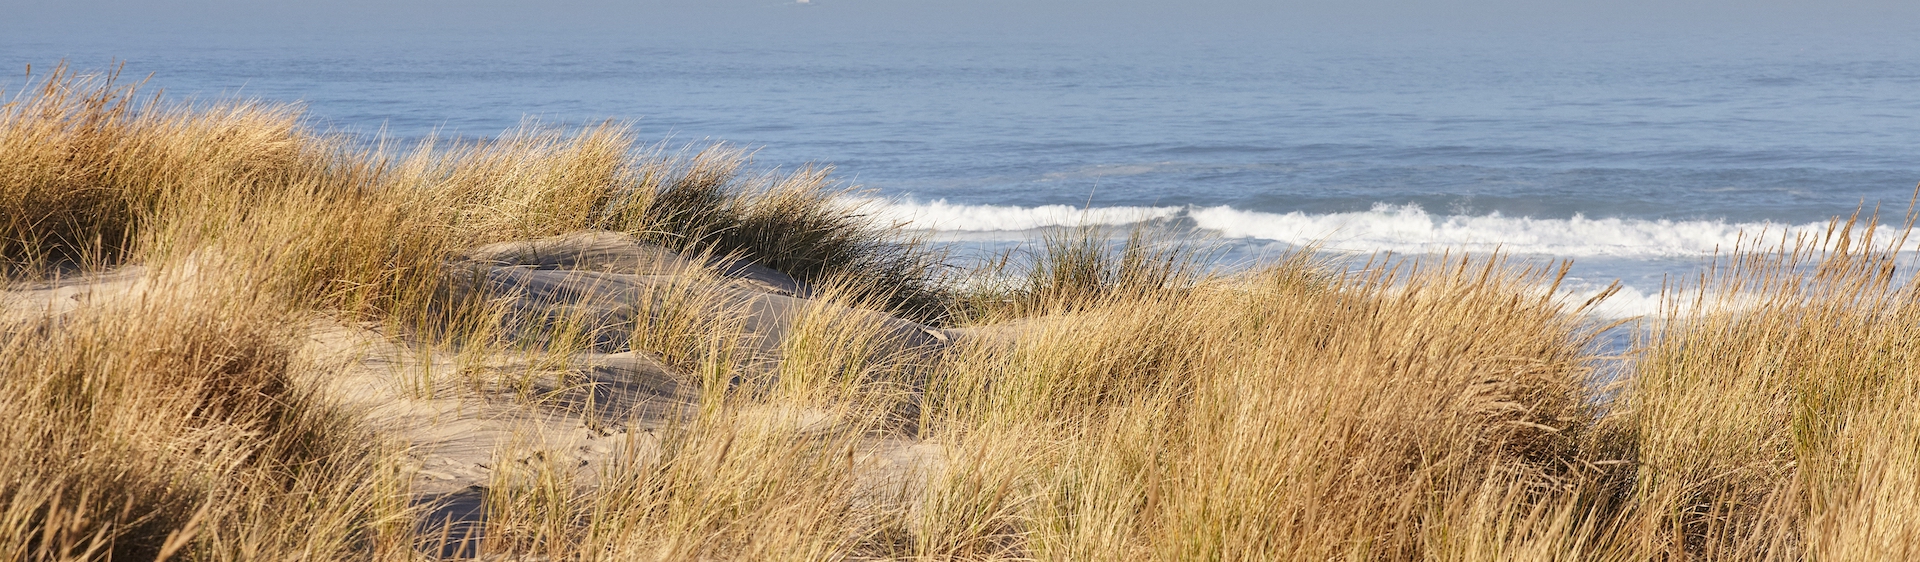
[1120,18]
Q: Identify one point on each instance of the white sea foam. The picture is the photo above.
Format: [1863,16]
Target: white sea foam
[941,215]
[1412,229]
[1409,230]
[1396,228]
[1628,302]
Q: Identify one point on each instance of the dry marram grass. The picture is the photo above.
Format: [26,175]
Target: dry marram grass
[166,264]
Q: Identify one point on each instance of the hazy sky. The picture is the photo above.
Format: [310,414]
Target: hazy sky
[760,18]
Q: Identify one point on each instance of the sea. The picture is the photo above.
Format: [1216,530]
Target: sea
[1638,156]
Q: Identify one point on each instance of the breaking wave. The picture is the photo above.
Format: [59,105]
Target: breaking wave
[1396,228]
[941,215]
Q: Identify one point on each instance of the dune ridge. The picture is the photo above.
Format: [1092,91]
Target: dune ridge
[226,337]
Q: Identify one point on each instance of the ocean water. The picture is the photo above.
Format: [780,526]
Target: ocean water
[1638,157]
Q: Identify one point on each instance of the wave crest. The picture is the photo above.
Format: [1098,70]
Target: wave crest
[1396,228]
[941,215]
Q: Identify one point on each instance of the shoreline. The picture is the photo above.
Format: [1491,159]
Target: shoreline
[555,345]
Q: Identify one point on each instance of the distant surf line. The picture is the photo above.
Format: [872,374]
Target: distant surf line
[1384,228]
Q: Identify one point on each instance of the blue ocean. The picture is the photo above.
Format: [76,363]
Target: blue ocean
[1637,156]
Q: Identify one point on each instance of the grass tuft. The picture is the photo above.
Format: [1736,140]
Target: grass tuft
[1097,399]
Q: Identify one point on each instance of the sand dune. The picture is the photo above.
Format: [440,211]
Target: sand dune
[588,411]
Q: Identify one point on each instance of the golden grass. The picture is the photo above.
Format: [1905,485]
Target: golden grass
[1281,415]
[1111,402]
[172,423]
[1778,423]
[1073,269]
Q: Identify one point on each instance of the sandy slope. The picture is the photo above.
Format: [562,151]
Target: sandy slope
[461,413]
